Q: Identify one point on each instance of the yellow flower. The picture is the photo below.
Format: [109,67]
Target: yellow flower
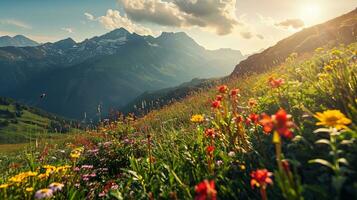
[4,186]
[328,68]
[43,176]
[332,118]
[21,177]
[29,189]
[197,118]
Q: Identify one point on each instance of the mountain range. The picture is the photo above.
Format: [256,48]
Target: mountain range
[106,71]
[16,41]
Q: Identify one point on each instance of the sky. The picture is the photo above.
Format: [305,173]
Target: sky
[246,25]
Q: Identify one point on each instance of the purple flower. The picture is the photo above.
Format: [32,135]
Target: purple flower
[44,194]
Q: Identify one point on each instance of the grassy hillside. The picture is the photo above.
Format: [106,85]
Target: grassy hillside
[232,146]
[20,123]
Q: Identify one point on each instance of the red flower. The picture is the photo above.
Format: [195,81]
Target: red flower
[234,92]
[219,97]
[206,190]
[275,83]
[286,165]
[216,104]
[267,123]
[260,178]
[210,133]
[223,89]
[254,118]
[281,122]
[210,149]
[239,119]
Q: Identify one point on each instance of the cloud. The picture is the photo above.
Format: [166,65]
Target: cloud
[113,20]
[89,16]
[17,23]
[218,15]
[294,23]
[246,34]
[69,30]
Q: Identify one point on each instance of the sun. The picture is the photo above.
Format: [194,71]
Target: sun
[310,13]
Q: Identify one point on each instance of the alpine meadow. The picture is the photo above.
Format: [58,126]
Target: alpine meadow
[178,99]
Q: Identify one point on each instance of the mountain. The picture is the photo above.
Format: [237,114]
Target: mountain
[109,70]
[16,41]
[341,30]
[19,123]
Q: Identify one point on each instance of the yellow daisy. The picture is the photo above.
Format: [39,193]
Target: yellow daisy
[197,118]
[332,118]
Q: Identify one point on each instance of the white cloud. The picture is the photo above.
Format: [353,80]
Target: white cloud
[17,23]
[293,23]
[69,30]
[89,16]
[113,20]
[218,15]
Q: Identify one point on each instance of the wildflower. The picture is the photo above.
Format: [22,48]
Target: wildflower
[275,83]
[223,89]
[4,186]
[210,133]
[280,122]
[87,166]
[219,162]
[231,154]
[254,118]
[332,118]
[234,92]
[216,104]
[75,155]
[44,194]
[197,118]
[219,97]
[210,149]
[239,119]
[29,189]
[252,102]
[328,68]
[56,186]
[242,167]
[206,190]
[261,178]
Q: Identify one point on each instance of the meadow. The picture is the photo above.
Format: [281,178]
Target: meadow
[287,133]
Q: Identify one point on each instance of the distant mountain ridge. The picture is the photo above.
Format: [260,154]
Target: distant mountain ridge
[17,41]
[108,70]
[342,30]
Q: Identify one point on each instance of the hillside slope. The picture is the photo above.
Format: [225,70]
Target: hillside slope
[342,29]
[19,123]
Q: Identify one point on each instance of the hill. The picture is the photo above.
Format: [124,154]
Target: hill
[17,41]
[341,30]
[20,123]
[110,70]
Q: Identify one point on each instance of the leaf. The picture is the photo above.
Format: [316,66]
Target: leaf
[116,194]
[323,141]
[322,162]
[326,130]
[343,161]
[346,142]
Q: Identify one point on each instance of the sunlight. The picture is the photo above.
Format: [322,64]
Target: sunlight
[310,13]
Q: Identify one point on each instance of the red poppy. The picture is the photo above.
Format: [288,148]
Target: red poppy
[206,190]
[223,89]
[210,149]
[210,133]
[219,97]
[234,92]
[260,178]
[216,104]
